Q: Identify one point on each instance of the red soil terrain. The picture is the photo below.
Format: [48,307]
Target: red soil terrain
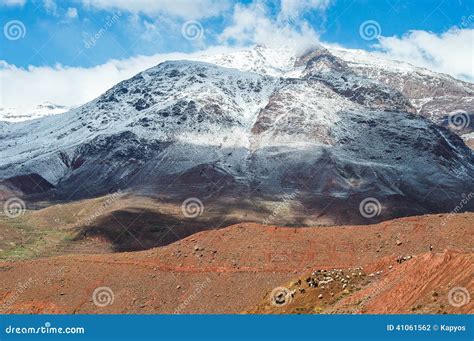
[407,265]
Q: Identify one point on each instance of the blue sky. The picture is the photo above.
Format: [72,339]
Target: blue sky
[70,51]
[54,35]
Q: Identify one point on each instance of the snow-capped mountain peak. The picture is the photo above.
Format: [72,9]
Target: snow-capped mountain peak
[256,123]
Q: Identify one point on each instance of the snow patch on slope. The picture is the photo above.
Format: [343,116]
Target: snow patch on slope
[20,113]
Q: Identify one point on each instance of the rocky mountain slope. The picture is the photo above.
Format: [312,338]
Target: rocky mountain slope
[416,284]
[434,95]
[441,98]
[231,270]
[259,125]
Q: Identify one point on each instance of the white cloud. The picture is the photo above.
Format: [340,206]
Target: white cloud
[71,12]
[252,25]
[186,9]
[50,6]
[13,2]
[151,32]
[449,52]
[72,86]
[295,8]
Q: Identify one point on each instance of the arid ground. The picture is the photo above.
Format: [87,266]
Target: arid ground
[55,262]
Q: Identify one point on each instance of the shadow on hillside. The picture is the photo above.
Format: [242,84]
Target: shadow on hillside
[134,229]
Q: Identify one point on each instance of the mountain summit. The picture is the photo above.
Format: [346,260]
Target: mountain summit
[330,129]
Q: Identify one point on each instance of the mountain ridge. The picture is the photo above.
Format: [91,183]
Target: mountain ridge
[187,128]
